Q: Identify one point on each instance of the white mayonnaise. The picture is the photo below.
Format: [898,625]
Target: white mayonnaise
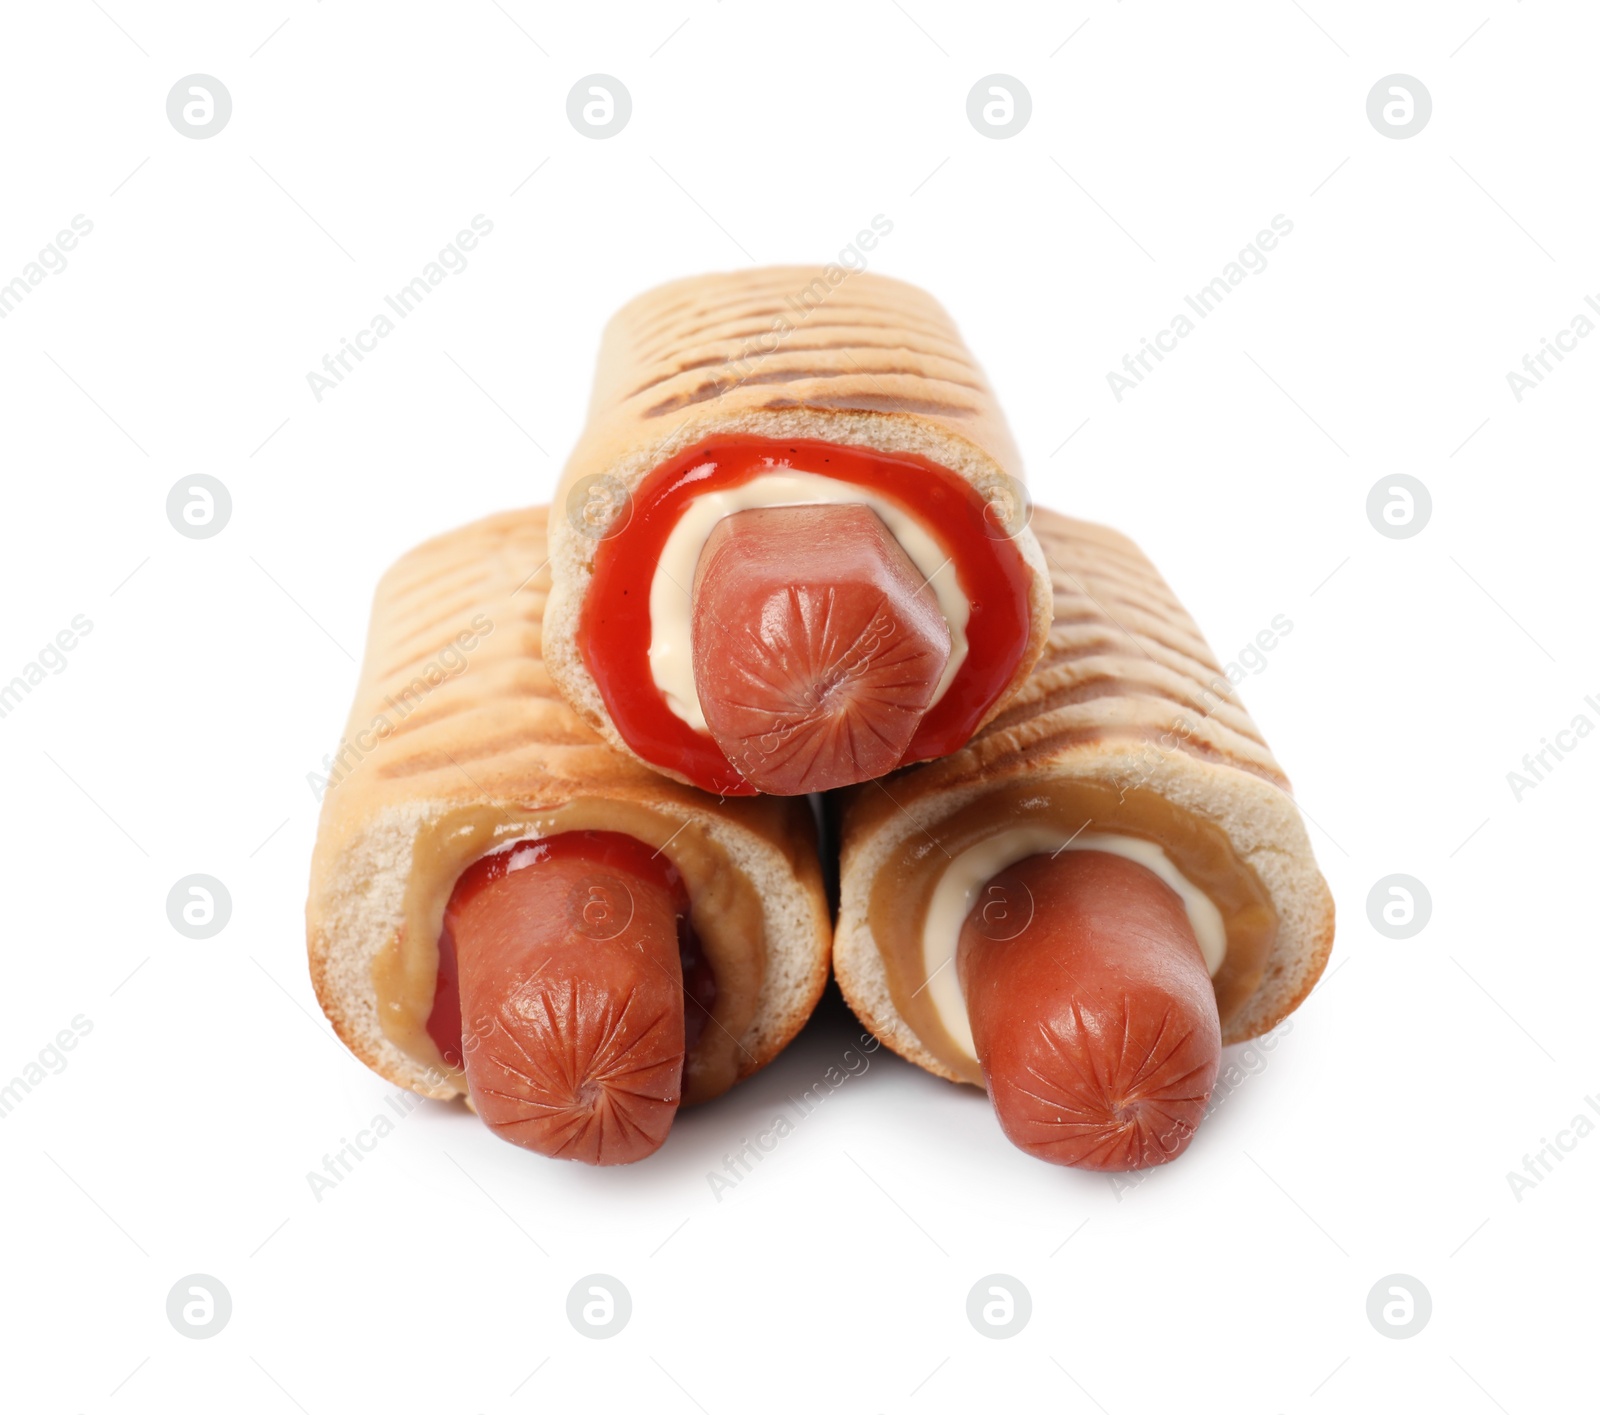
[671,655]
[959,885]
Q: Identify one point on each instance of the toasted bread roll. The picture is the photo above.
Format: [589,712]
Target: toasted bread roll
[459,751]
[1128,739]
[803,388]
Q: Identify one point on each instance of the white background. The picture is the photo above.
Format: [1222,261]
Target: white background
[1418,672]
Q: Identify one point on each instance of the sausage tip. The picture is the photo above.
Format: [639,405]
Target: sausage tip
[581,1072]
[1095,1024]
[572,1008]
[817,645]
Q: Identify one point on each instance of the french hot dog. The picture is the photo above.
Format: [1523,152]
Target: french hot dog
[1109,883]
[783,399]
[502,907]
[1091,1010]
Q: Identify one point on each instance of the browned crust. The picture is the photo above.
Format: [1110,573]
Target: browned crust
[494,729]
[1109,672]
[785,352]
[1126,687]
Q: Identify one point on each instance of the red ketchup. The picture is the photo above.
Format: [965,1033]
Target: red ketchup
[614,628]
[599,847]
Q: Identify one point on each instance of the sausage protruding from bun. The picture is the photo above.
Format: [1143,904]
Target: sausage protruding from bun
[817,645]
[571,1004]
[1092,1012]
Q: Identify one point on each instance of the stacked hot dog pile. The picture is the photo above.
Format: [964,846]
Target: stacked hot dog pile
[580,883]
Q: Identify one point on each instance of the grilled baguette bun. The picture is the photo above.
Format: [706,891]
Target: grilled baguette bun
[812,352]
[455,720]
[1128,695]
